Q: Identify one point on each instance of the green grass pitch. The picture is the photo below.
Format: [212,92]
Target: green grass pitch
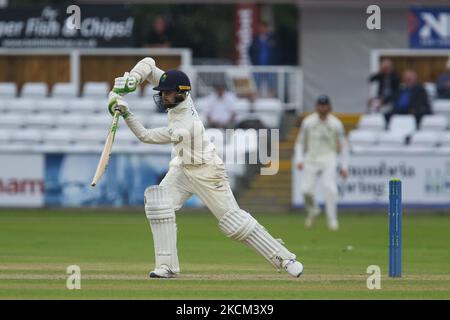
[115,252]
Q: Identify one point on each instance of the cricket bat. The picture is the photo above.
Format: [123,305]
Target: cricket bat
[104,158]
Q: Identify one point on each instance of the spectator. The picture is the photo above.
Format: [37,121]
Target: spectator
[388,86]
[443,83]
[159,36]
[252,121]
[221,113]
[412,99]
[264,51]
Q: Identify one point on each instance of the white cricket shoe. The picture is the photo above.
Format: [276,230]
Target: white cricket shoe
[293,267]
[333,225]
[162,272]
[311,218]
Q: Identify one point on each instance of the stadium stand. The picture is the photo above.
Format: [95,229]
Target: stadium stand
[35,90]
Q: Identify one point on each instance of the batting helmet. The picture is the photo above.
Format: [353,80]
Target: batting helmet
[172,80]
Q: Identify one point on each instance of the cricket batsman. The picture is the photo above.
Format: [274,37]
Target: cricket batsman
[196,169]
[321,139]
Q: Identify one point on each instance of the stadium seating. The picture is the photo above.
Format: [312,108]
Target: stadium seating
[34,90]
[125,137]
[362,138]
[66,120]
[82,106]
[64,90]
[22,106]
[8,90]
[96,90]
[433,123]
[5,136]
[441,106]
[372,122]
[445,139]
[58,137]
[149,92]
[405,124]
[27,137]
[11,121]
[425,139]
[52,106]
[70,121]
[430,87]
[39,121]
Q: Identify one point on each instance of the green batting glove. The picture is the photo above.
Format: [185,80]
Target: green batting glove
[125,84]
[116,103]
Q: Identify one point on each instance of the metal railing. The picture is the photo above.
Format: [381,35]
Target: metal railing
[281,82]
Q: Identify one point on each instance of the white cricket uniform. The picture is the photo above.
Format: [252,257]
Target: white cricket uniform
[317,147]
[196,169]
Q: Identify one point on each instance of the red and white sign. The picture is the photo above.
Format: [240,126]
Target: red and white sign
[21,180]
[245,20]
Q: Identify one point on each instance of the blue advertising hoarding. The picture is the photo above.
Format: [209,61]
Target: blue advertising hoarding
[429,28]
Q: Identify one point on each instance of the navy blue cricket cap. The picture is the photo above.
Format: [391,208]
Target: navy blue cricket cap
[323,99]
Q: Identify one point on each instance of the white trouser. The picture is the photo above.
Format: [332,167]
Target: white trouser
[209,182]
[326,171]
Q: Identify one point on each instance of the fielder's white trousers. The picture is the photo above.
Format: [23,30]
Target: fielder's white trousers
[325,171]
[209,182]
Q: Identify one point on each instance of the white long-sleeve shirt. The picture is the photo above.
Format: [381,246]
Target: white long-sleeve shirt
[319,141]
[185,130]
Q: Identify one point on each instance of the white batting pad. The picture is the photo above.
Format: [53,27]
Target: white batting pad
[240,225]
[160,214]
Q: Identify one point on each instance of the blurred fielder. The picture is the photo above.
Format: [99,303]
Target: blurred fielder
[321,138]
[196,169]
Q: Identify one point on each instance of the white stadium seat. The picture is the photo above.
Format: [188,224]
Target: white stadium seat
[39,121]
[430,87]
[52,106]
[242,105]
[269,104]
[11,121]
[202,104]
[101,105]
[57,136]
[34,90]
[405,124]
[143,105]
[70,121]
[82,106]
[96,90]
[100,121]
[5,136]
[441,106]
[125,137]
[362,138]
[372,122]
[445,139]
[26,137]
[64,90]
[425,139]
[22,106]
[149,92]
[90,137]
[435,122]
[392,139]
[8,90]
